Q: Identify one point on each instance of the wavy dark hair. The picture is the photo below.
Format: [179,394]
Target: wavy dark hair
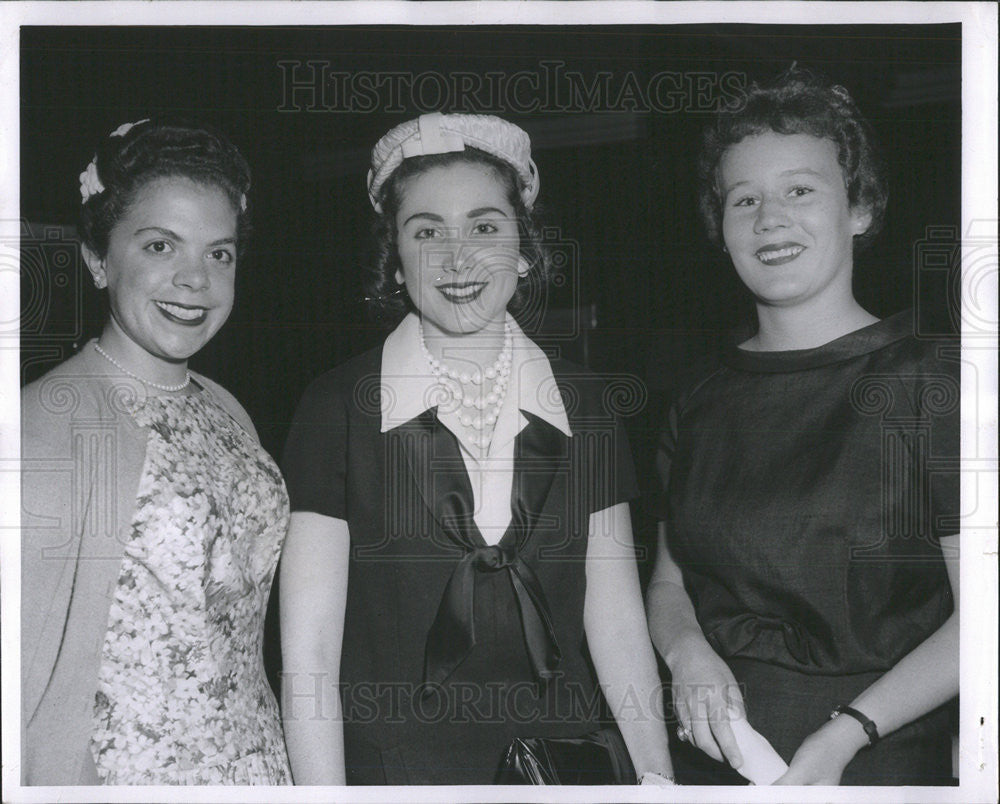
[389,302]
[159,149]
[799,101]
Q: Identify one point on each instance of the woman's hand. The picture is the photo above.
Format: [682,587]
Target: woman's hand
[824,754]
[706,697]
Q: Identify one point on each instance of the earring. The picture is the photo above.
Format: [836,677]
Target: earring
[523,266]
[100,282]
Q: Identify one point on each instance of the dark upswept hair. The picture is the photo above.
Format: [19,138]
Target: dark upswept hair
[380,287]
[798,102]
[158,149]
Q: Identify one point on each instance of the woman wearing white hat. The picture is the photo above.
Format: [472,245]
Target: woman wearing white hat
[460,559]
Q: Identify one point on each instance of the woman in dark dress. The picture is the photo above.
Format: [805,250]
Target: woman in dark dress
[808,557]
[460,548]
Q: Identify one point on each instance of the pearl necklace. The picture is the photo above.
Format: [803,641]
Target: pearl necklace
[158,386]
[481,409]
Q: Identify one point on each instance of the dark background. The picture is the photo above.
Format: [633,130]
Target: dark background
[617,182]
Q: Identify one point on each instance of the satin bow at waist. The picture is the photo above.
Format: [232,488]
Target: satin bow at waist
[453,634]
[733,636]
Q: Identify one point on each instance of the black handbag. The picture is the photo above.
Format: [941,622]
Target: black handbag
[599,757]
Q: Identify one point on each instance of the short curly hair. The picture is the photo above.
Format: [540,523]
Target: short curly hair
[157,149]
[798,102]
[388,301]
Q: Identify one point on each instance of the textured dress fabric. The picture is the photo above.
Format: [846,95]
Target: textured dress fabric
[392,489]
[806,495]
[182,696]
[83,454]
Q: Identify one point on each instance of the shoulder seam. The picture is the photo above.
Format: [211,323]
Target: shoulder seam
[685,396]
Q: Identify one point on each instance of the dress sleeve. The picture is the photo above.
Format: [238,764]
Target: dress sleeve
[602,438]
[46,528]
[316,452]
[624,486]
[665,447]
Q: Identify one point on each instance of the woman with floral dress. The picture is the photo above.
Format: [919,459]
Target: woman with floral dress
[152,518]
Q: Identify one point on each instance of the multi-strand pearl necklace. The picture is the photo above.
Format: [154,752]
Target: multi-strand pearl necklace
[158,386]
[479,408]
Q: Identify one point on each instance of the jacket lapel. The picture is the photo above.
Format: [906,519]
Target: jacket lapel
[539,451]
[436,467]
[438,472]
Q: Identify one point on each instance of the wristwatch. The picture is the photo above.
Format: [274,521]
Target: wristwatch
[866,723]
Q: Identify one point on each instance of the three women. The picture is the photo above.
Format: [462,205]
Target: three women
[459,569]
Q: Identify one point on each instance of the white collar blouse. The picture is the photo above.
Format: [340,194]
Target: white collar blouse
[408,389]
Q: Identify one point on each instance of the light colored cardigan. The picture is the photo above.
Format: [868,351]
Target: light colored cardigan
[82,457]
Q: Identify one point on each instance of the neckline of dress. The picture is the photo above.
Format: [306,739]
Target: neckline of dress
[854,344]
[199,393]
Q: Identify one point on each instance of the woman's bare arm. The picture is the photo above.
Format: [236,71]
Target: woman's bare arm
[619,640]
[313,593]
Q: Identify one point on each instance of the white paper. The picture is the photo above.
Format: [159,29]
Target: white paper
[761,763]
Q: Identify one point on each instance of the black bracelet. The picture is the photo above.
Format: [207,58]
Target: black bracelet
[866,723]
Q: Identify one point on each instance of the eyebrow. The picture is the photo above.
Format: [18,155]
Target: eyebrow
[427,215]
[810,171]
[225,241]
[478,212]
[789,172]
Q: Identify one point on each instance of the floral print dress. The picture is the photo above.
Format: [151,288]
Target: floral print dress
[182,696]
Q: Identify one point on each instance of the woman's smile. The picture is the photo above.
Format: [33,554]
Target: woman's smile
[462,292]
[779,253]
[185,314]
